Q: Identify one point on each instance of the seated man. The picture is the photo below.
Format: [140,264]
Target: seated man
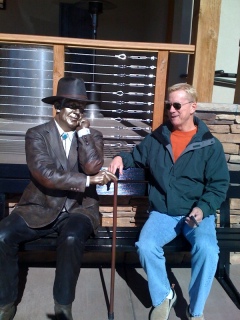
[64,157]
[188,181]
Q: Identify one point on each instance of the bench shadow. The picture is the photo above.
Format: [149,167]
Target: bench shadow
[27,261]
[51,316]
[139,286]
[136,282]
[23,274]
[181,305]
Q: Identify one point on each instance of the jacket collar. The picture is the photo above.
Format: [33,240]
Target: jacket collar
[163,132]
[55,143]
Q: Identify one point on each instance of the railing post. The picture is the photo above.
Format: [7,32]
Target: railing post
[160,88]
[58,66]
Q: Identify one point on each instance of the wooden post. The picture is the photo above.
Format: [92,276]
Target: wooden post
[205,29]
[58,67]
[160,88]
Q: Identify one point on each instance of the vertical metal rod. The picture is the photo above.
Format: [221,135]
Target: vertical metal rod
[113,262]
[94,23]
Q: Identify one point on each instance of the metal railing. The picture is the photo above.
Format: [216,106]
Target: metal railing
[128,79]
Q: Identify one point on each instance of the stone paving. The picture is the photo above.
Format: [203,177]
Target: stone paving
[132,301]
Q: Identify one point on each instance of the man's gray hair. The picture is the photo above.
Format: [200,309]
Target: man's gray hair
[190,90]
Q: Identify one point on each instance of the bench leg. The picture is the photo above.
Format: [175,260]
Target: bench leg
[223,278]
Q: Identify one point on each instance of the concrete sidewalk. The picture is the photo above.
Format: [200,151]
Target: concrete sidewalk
[132,300]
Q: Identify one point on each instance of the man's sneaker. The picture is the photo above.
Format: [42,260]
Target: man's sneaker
[162,311]
[190,317]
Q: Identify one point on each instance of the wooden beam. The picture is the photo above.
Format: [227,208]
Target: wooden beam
[58,67]
[237,88]
[160,88]
[97,44]
[205,29]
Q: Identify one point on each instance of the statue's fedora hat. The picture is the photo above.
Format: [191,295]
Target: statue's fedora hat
[69,88]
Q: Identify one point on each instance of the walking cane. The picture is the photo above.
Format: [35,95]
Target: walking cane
[113,262]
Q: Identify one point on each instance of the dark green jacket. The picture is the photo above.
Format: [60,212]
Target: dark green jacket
[199,177]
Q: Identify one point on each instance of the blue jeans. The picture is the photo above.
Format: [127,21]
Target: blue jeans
[160,229]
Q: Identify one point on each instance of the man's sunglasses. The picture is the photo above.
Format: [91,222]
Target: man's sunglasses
[74,105]
[176,105]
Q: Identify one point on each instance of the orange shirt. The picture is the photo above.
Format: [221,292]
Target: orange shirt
[180,140]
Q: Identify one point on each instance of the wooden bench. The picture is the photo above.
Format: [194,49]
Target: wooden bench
[14,178]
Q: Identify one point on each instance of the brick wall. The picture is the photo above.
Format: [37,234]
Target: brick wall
[223,120]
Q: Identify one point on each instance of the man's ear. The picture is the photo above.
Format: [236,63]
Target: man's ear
[193,107]
[57,106]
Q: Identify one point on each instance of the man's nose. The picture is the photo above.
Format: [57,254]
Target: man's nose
[77,111]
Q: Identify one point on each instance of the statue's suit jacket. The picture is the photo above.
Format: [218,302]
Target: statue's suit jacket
[58,183]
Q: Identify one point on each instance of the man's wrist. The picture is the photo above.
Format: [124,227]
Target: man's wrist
[83,132]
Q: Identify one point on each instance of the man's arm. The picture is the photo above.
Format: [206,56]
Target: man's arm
[91,146]
[217,181]
[137,158]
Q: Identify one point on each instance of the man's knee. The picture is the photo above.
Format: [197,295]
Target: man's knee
[148,248]
[4,236]
[7,247]
[206,247]
[71,241]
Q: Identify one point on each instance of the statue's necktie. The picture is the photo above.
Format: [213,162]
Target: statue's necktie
[64,137]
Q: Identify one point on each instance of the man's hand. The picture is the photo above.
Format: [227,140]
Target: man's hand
[102,177]
[83,123]
[195,217]
[115,164]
